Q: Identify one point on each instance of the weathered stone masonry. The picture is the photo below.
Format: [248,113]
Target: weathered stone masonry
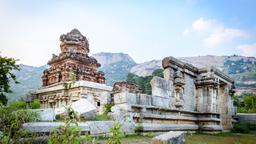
[74,67]
[187,98]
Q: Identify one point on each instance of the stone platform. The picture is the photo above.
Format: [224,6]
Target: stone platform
[100,128]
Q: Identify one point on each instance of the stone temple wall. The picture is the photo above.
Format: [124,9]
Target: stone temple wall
[57,96]
[187,98]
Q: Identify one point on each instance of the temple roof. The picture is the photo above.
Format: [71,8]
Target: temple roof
[74,41]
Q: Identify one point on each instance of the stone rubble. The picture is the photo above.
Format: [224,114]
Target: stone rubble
[172,137]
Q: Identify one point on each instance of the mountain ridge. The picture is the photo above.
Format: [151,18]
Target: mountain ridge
[116,66]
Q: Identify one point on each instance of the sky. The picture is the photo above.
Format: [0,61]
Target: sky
[144,29]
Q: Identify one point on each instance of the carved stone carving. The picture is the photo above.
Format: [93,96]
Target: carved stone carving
[73,59]
[126,86]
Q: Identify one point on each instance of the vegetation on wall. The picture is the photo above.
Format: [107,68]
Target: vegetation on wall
[144,81]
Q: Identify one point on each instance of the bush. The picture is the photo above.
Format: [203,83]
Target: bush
[66,134]
[117,134]
[241,128]
[102,117]
[35,104]
[17,105]
[107,108]
[11,121]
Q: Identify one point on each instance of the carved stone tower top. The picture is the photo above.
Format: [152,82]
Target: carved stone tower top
[74,42]
[73,59]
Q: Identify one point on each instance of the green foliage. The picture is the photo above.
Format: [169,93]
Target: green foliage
[11,119]
[241,128]
[247,104]
[66,134]
[102,117]
[89,139]
[17,105]
[158,72]
[117,134]
[35,104]
[7,65]
[144,81]
[250,103]
[107,108]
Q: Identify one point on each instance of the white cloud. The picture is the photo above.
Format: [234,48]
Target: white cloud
[248,49]
[186,32]
[214,33]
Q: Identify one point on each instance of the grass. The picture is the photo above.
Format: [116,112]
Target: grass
[222,138]
[132,139]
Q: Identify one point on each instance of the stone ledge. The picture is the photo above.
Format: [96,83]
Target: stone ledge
[93,127]
[168,127]
[211,128]
[171,117]
[76,84]
[47,127]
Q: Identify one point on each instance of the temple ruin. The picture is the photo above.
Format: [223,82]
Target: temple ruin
[75,68]
[187,98]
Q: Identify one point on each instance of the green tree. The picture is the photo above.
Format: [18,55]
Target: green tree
[144,81]
[7,65]
[250,103]
[35,104]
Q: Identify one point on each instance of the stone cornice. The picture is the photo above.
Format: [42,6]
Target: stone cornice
[60,86]
[175,63]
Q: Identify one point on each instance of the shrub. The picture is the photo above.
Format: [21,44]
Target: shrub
[17,105]
[35,104]
[66,134]
[117,134]
[241,128]
[107,108]
[11,121]
[102,117]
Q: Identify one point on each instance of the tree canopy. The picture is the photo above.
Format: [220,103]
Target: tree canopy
[7,65]
[144,81]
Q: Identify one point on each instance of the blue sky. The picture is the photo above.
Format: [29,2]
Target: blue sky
[144,29]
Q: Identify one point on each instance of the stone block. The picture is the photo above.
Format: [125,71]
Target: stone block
[168,127]
[45,114]
[172,137]
[46,127]
[160,102]
[84,109]
[100,127]
[161,87]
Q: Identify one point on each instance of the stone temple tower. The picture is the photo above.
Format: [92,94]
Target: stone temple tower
[73,59]
[73,65]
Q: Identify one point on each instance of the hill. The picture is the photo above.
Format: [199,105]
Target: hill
[117,66]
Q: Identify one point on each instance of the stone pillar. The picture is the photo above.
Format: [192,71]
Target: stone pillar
[168,74]
[199,99]
[210,99]
[214,100]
